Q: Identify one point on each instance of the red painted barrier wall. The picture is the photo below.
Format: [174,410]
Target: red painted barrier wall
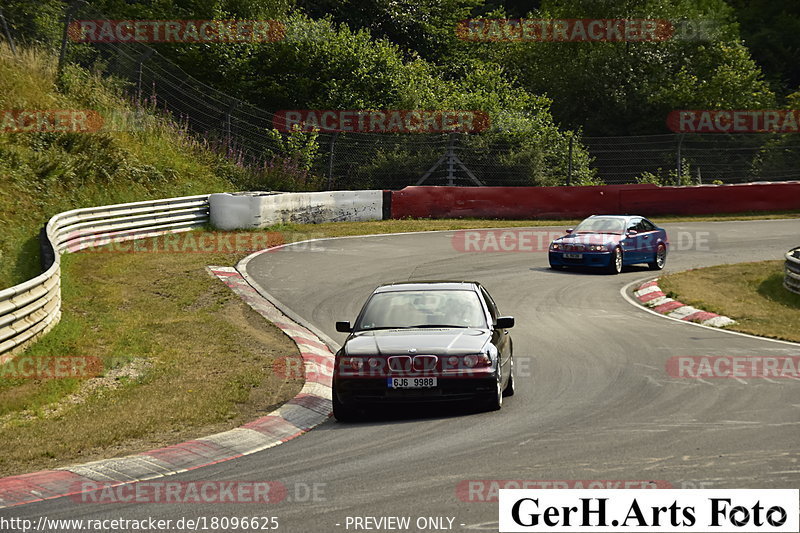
[579,202]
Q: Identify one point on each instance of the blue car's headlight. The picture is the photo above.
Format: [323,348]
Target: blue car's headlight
[555,246]
[597,248]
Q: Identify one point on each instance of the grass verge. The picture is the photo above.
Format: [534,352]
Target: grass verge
[202,360]
[750,293]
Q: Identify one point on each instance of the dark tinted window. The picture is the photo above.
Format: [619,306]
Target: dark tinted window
[633,224]
[646,225]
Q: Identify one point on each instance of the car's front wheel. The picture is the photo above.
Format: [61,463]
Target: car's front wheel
[660,259]
[615,264]
[510,388]
[342,412]
[495,401]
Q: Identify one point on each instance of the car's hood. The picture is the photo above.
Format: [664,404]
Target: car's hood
[445,341]
[590,238]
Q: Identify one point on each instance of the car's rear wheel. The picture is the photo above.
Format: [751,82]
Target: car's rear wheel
[660,258]
[510,387]
[342,413]
[615,265]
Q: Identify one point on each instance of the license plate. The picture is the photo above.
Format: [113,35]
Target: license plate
[573,256]
[411,383]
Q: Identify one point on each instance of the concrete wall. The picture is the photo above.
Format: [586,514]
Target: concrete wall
[261,209]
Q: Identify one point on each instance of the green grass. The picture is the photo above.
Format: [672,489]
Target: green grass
[42,174]
[206,361]
[750,293]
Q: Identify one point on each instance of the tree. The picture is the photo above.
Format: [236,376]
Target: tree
[771,30]
[622,88]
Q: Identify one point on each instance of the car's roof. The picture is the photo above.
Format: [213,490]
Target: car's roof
[623,217]
[428,286]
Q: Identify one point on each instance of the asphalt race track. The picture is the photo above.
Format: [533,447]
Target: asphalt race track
[593,399]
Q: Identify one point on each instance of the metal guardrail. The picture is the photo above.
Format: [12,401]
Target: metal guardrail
[791,270]
[31,309]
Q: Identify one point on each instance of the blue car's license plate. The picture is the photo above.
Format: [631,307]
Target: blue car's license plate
[573,256]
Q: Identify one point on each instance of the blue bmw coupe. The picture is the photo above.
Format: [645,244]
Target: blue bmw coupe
[611,242]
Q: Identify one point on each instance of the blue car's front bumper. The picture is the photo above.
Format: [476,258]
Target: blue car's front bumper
[587,259]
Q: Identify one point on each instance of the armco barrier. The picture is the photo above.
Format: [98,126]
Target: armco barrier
[791,270]
[30,309]
[579,202]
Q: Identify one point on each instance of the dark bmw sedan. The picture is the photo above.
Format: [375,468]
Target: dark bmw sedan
[424,342]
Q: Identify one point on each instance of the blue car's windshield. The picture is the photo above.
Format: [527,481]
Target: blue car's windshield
[601,225]
[433,308]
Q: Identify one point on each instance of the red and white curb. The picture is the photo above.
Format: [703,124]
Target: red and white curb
[650,295]
[311,407]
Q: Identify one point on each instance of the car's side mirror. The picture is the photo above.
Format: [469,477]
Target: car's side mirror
[504,322]
[569,230]
[344,327]
[632,232]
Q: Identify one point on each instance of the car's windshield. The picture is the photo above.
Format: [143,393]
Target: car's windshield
[601,225]
[432,308]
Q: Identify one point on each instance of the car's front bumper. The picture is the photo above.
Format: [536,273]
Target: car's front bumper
[364,391]
[587,259]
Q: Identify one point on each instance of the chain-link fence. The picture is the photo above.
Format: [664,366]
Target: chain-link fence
[697,158]
[381,160]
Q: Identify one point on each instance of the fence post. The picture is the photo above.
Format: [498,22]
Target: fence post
[8,33]
[228,129]
[62,54]
[451,170]
[139,64]
[330,160]
[569,161]
[679,162]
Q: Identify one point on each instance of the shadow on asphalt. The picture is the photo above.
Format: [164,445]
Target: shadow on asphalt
[394,414]
[590,270]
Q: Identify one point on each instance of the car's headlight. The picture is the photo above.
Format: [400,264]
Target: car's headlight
[555,246]
[597,248]
[352,363]
[481,359]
